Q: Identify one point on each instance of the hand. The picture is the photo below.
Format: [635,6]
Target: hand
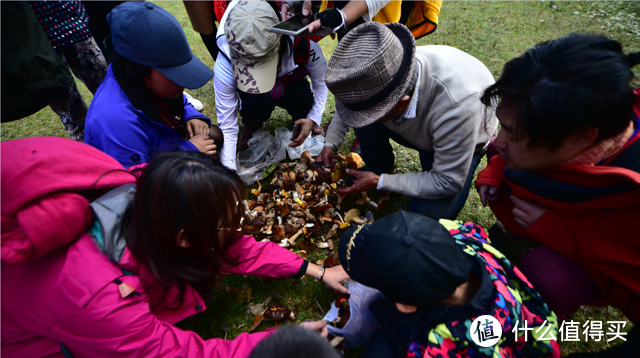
[197,126]
[326,156]
[364,181]
[287,11]
[307,126]
[334,277]
[320,326]
[317,131]
[525,212]
[204,144]
[488,193]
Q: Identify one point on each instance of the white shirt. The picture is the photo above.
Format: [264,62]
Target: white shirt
[227,99]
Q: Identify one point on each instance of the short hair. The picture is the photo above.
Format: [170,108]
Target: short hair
[564,86]
[292,342]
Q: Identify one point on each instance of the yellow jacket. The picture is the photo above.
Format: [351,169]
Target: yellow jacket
[422,17]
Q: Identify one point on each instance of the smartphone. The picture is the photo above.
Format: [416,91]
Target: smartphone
[296,131]
[293,26]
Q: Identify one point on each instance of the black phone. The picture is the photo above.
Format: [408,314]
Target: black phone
[294,25]
[297,129]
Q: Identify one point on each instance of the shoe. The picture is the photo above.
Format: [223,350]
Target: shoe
[247,133]
[194,102]
[502,236]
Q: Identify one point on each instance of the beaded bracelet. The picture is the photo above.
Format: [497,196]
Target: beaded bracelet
[320,273]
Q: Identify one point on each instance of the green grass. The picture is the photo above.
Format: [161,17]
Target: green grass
[494,32]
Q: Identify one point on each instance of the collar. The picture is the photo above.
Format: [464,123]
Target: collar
[410,111]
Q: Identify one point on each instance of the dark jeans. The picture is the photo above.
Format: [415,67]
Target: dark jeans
[381,346]
[257,108]
[378,155]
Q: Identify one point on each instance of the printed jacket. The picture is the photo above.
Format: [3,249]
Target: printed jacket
[590,208]
[69,293]
[510,298]
[115,127]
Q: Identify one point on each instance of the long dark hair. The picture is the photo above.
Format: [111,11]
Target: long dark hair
[564,86]
[186,191]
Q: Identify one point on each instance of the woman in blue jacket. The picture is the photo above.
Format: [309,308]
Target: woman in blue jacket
[140,109]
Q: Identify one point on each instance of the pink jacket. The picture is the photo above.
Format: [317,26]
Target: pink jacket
[68,295]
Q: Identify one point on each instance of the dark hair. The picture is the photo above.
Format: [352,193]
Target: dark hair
[187,191]
[564,86]
[294,341]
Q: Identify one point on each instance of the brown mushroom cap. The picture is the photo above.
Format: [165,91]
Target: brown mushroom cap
[382,202]
[354,160]
[277,312]
[306,157]
[352,216]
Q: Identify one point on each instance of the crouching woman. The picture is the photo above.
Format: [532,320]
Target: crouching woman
[111,277]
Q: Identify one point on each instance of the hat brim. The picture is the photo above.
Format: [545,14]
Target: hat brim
[359,119]
[256,76]
[353,266]
[193,74]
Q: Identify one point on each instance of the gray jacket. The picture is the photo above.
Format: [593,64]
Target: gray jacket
[450,121]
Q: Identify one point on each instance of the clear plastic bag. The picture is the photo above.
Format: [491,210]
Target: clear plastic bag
[361,325]
[264,153]
[313,144]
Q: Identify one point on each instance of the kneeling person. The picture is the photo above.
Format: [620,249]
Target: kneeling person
[425,98]
[437,278]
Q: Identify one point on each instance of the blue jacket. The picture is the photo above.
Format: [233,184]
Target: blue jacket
[115,127]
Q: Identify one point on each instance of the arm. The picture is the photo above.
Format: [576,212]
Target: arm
[226,109]
[191,113]
[454,135]
[317,67]
[126,328]
[336,133]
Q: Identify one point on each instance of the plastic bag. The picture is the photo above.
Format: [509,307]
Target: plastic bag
[264,153]
[313,144]
[361,325]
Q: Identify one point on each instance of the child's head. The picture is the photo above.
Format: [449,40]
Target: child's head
[146,34]
[560,97]
[184,216]
[292,342]
[410,258]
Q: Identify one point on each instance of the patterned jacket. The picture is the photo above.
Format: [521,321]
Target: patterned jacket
[515,301]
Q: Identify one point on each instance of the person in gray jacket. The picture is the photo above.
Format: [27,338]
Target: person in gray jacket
[425,98]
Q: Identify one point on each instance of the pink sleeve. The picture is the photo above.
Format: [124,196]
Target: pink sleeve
[263,259]
[128,329]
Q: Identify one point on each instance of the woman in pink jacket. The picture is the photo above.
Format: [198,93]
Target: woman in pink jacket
[110,276]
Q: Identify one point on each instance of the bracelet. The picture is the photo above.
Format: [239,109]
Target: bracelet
[322,277]
[319,273]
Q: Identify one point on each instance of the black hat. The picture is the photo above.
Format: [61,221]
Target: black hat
[410,258]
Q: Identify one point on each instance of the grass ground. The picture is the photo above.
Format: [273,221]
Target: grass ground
[492,31]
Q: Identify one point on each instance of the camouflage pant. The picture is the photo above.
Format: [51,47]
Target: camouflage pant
[88,64]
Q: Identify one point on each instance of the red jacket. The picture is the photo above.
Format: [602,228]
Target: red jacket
[597,233]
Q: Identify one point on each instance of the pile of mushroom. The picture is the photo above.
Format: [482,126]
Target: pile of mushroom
[302,205]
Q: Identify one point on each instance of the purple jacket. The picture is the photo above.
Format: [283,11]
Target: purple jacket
[115,127]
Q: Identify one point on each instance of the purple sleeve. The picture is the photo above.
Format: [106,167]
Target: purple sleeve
[191,113]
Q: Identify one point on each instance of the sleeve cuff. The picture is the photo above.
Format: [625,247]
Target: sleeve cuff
[380,182]
[302,271]
[327,144]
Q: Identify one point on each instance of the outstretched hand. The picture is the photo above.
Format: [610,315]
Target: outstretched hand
[526,212]
[364,181]
[334,277]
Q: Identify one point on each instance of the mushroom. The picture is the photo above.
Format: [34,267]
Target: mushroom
[382,202]
[352,216]
[283,166]
[360,201]
[267,230]
[292,239]
[278,312]
[354,160]
[340,157]
[306,157]
[279,232]
[321,191]
[369,201]
[331,232]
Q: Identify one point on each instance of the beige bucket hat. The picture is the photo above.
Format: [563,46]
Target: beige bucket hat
[370,70]
[254,49]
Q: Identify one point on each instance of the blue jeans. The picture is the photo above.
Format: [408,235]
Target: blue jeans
[378,155]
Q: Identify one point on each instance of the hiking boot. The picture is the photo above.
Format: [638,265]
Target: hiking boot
[247,133]
[500,234]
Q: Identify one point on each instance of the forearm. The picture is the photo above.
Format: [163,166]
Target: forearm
[425,185]
[263,259]
[355,9]
[337,131]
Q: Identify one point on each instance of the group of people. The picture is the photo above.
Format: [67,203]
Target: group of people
[102,260]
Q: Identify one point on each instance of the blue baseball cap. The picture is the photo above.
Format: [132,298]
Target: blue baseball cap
[147,34]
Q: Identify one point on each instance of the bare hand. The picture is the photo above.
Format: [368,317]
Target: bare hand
[197,126]
[364,181]
[320,326]
[307,126]
[334,277]
[314,26]
[286,12]
[488,193]
[525,212]
[204,143]
[326,156]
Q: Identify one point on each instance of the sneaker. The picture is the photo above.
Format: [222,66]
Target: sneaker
[500,234]
[247,133]
[194,102]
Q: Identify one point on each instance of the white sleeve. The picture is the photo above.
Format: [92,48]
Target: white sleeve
[226,109]
[374,7]
[317,66]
